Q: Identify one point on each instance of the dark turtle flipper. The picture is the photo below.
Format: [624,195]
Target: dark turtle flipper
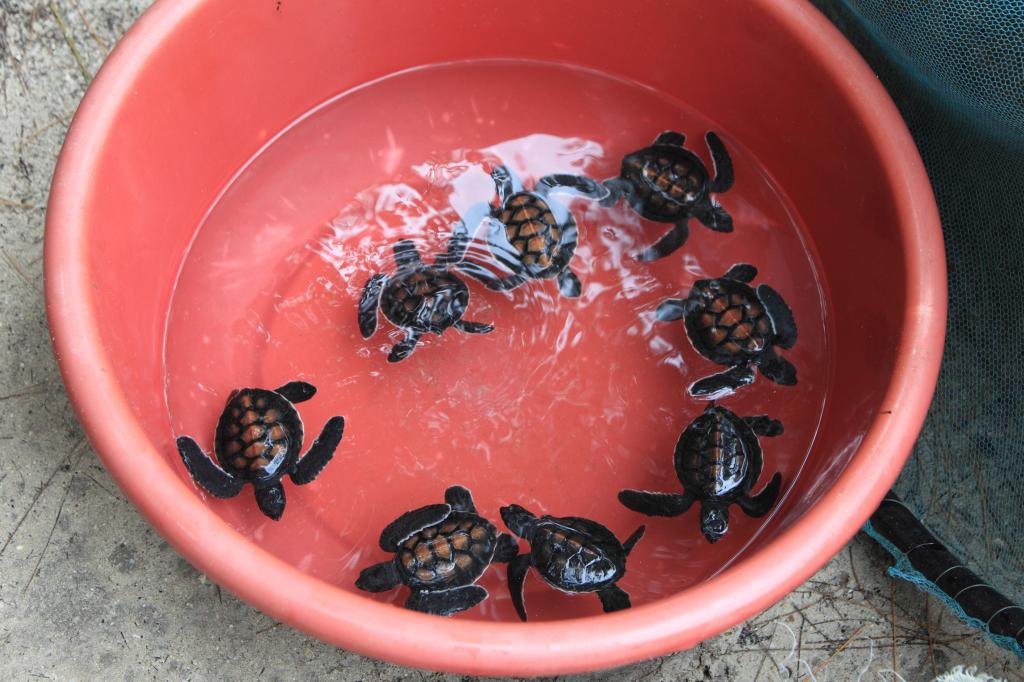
[296,391]
[503,182]
[517,570]
[758,505]
[614,598]
[506,550]
[368,305]
[204,472]
[633,539]
[763,425]
[675,309]
[271,500]
[405,347]
[379,577]
[457,245]
[723,383]
[781,315]
[617,189]
[671,137]
[411,522]
[569,284]
[724,175]
[778,369]
[474,327]
[406,254]
[713,216]
[579,185]
[655,504]
[518,520]
[446,602]
[741,272]
[460,499]
[489,279]
[672,240]
[310,466]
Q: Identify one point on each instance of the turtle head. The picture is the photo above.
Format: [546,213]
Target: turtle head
[714,521]
[271,501]
[519,521]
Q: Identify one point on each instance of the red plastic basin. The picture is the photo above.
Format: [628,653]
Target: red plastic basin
[197,87]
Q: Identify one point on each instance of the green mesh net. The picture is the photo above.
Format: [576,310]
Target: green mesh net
[955,68]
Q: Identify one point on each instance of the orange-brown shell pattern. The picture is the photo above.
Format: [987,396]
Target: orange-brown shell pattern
[531,229]
[455,552]
[732,322]
[256,434]
[668,181]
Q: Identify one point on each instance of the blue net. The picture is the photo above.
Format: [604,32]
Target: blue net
[955,68]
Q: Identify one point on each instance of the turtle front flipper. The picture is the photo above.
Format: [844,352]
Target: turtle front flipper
[780,314]
[654,504]
[756,506]
[457,245]
[506,549]
[724,174]
[668,244]
[676,309]
[473,327]
[517,570]
[723,383]
[778,369]
[614,598]
[205,473]
[578,185]
[713,216]
[412,522]
[460,499]
[321,452]
[763,425]
[271,500]
[631,541]
[296,391]
[406,254]
[379,577]
[446,602]
[405,347]
[368,304]
[504,184]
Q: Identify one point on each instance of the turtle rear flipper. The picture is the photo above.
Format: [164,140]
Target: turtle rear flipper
[412,522]
[506,549]
[672,240]
[758,505]
[675,309]
[578,185]
[296,391]
[446,602]
[778,369]
[379,577]
[631,541]
[614,598]
[723,383]
[368,305]
[654,504]
[517,570]
[460,499]
[405,347]
[569,284]
[780,314]
[714,217]
[741,272]
[724,174]
[468,327]
[406,254]
[764,425]
[457,245]
[205,473]
[321,452]
[271,501]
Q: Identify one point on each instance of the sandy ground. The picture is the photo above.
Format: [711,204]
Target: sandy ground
[87,589]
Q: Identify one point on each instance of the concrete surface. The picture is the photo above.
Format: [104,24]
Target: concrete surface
[88,590]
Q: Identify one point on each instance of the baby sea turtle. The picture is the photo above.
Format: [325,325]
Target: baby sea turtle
[669,184]
[258,440]
[419,298]
[531,234]
[572,554]
[718,460]
[440,552]
[731,323]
